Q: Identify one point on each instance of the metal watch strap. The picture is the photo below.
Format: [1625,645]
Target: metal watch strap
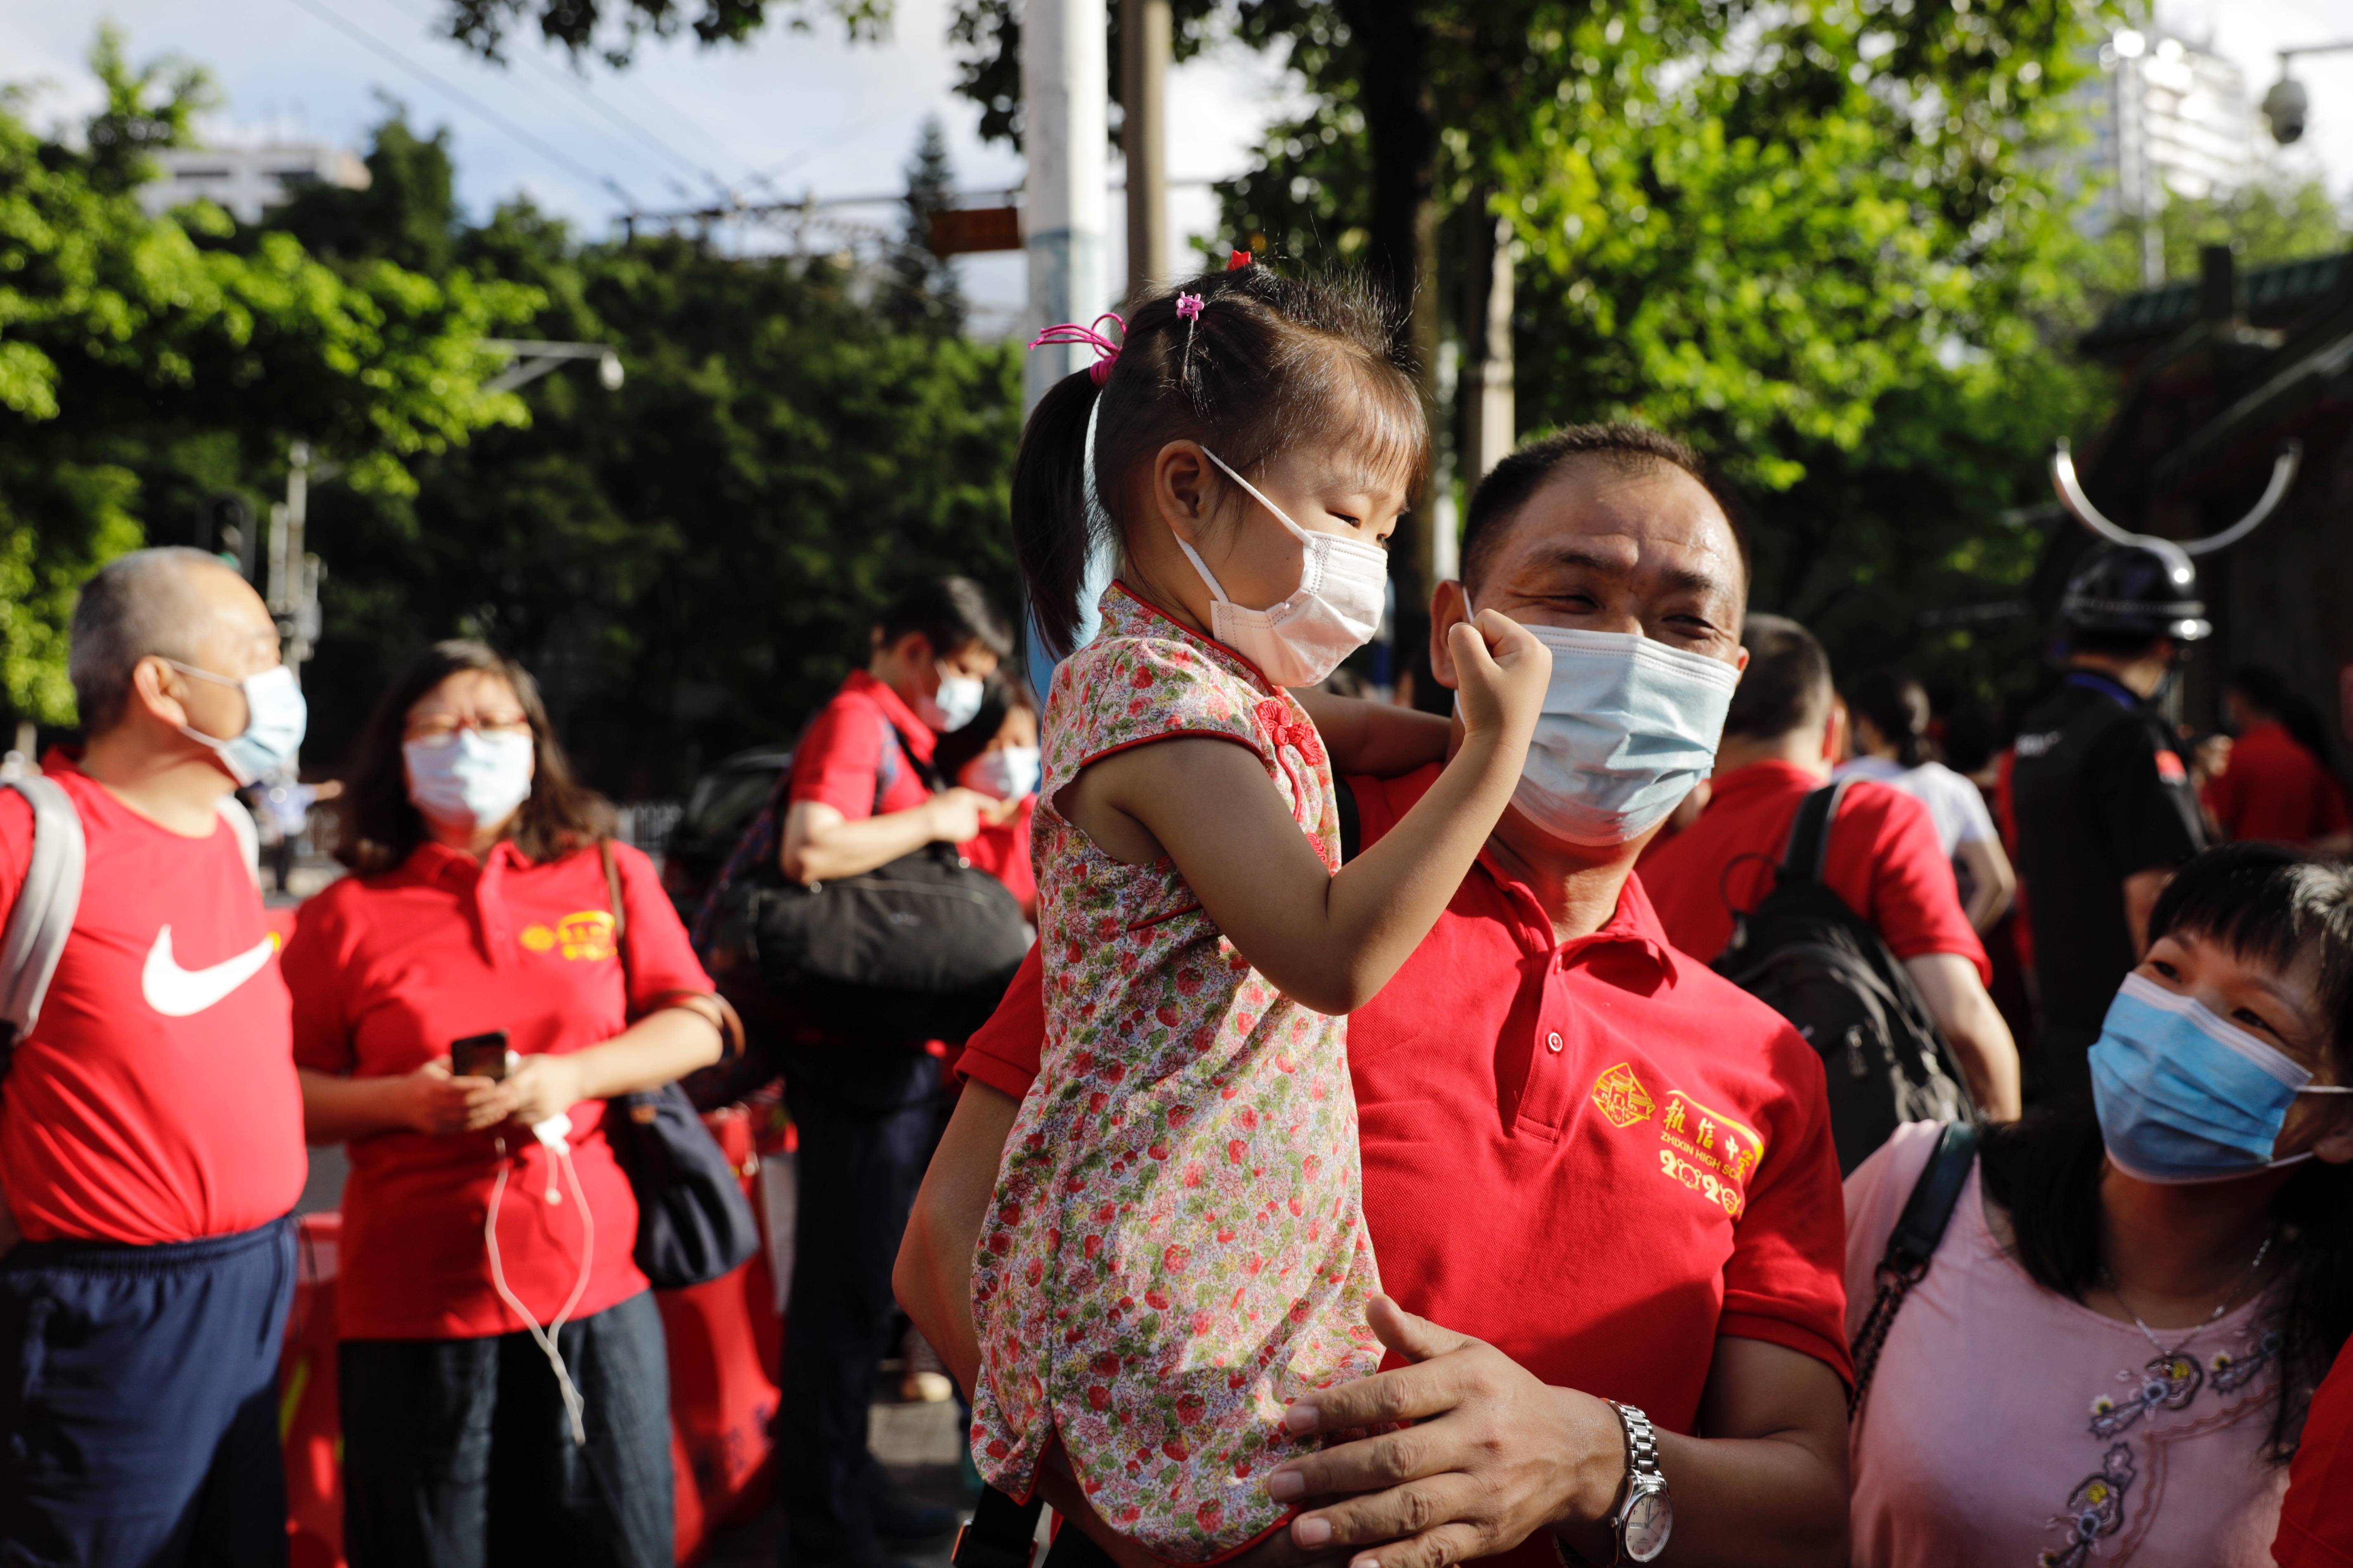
[1641,1462]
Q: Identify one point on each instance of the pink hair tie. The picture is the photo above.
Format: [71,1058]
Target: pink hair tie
[1106,350]
[1188,306]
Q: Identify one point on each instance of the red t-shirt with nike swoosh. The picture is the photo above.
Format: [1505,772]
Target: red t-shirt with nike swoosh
[155,1099]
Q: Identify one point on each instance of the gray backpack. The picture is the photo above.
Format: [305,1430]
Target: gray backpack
[46,905]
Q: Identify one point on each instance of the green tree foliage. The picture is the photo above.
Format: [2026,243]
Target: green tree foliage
[2263,223]
[689,565]
[924,293]
[148,362]
[614,28]
[1831,243]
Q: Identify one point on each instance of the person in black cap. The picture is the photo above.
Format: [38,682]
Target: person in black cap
[2104,803]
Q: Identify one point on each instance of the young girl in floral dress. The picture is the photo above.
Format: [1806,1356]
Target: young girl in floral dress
[1175,1247]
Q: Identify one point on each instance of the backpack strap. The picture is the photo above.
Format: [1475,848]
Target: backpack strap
[1919,1230]
[44,913]
[1809,833]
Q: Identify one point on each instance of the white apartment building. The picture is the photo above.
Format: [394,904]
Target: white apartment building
[2176,121]
[247,180]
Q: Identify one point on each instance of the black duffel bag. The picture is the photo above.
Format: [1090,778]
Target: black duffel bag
[921,949]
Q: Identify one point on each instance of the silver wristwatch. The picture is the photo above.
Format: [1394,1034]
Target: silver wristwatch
[1644,1518]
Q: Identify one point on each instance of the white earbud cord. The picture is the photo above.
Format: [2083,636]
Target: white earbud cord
[574,1407]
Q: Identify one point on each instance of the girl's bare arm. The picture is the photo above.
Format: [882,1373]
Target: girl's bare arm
[1328,940]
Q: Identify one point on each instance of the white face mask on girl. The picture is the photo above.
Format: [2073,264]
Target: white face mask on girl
[1334,611]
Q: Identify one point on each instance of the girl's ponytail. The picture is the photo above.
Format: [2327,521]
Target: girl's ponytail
[1054,533]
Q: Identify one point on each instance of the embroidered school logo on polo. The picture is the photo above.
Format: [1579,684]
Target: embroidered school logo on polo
[1621,1098]
[585,937]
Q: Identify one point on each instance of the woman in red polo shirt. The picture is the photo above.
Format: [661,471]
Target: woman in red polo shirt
[503,1387]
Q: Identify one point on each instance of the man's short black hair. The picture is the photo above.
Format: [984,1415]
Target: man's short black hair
[949,613]
[1622,444]
[1787,686]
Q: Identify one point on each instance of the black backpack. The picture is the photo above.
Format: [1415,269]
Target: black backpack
[1803,953]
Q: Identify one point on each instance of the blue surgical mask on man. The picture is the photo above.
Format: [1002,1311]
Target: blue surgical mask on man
[2184,1095]
[470,775]
[1629,726]
[275,719]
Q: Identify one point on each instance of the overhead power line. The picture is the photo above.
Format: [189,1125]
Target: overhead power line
[374,45]
[628,122]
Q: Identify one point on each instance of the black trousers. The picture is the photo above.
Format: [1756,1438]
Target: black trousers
[859,1168]
[457,1453]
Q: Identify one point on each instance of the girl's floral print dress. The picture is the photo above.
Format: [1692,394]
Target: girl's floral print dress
[1175,1247]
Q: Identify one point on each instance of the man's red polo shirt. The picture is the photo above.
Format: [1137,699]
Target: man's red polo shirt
[846,761]
[2276,791]
[1595,1155]
[1884,860]
[2315,1528]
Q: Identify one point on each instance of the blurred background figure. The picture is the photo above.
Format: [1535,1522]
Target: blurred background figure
[504,1382]
[867,788]
[2100,795]
[1888,716]
[2274,782]
[996,754]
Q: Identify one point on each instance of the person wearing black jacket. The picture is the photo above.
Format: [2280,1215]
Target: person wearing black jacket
[2104,807]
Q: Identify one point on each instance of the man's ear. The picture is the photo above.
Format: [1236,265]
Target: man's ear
[1181,490]
[1835,728]
[151,683]
[1449,603]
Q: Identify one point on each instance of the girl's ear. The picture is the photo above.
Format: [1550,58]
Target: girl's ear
[1181,492]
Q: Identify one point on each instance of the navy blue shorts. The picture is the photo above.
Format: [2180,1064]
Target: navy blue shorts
[139,1400]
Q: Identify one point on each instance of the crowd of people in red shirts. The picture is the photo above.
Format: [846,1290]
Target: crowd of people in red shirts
[1634,1303]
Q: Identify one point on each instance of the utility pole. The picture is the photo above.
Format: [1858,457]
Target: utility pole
[1066,123]
[291,587]
[1065,46]
[1488,392]
[1146,34]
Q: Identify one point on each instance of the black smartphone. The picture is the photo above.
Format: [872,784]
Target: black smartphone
[480,1056]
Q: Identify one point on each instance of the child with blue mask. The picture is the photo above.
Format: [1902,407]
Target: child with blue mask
[2150,1285]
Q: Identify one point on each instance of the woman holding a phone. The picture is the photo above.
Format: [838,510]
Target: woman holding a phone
[464,1004]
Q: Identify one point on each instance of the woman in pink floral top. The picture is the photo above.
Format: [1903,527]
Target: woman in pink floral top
[1176,1250]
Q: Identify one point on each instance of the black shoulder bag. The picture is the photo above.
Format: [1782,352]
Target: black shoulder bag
[695,1222]
[920,948]
[1914,1241]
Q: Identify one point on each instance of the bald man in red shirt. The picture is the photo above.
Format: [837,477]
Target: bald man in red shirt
[1594,1171]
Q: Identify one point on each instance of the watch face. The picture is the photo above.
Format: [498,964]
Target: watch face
[1650,1520]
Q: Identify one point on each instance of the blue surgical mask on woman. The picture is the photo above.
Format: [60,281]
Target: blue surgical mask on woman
[275,719]
[1629,726]
[2184,1095]
[470,776]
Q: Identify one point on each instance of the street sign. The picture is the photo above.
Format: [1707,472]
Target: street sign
[957,231]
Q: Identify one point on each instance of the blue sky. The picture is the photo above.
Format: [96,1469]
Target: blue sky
[807,110]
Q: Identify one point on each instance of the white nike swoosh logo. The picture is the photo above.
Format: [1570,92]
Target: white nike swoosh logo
[176,993]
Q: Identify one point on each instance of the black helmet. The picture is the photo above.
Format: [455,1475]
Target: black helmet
[2145,589]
